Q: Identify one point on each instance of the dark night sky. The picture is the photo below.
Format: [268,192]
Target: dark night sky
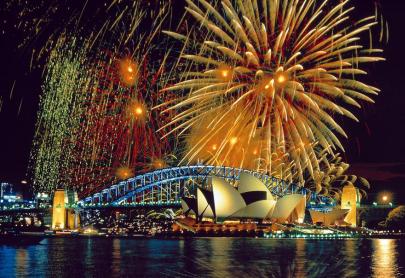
[376,145]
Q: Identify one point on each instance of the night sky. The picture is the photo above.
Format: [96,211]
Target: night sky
[375,148]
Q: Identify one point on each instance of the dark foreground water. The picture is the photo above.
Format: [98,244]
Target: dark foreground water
[204,257]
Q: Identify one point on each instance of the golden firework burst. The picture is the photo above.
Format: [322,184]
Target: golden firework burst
[271,71]
[333,176]
[124,172]
[137,111]
[128,70]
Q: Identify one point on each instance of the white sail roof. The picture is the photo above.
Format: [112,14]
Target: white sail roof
[250,183]
[227,199]
[251,200]
[290,207]
[256,210]
[328,218]
[204,209]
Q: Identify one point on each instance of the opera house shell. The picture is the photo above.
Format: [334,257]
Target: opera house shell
[250,200]
[336,217]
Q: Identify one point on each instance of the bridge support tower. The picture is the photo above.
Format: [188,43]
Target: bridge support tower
[351,200]
[64,217]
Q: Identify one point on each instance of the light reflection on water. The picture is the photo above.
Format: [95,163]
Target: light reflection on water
[21,260]
[207,257]
[385,258]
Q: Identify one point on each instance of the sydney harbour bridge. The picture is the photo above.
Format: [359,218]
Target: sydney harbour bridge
[165,187]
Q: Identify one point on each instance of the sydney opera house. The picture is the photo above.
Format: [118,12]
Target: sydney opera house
[252,200]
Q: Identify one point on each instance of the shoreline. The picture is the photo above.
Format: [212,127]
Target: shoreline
[27,235]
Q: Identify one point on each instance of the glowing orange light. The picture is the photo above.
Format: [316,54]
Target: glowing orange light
[158,163]
[255,152]
[281,78]
[138,111]
[124,173]
[214,147]
[234,140]
[385,198]
[128,70]
[224,73]
[266,86]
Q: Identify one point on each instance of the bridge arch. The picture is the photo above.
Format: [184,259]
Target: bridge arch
[169,184]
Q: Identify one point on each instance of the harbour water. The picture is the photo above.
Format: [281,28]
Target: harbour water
[204,257]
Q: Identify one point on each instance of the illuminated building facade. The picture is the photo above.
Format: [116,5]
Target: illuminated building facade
[250,200]
[335,217]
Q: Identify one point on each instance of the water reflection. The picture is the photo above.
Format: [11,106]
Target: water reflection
[116,256]
[350,256]
[208,257]
[385,258]
[21,261]
[300,255]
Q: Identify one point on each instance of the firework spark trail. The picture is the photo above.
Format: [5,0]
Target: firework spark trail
[65,78]
[271,75]
[95,123]
[119,130]
[332,177]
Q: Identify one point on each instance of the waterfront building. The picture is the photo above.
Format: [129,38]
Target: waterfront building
[221,202]
[250,200]
[330,218]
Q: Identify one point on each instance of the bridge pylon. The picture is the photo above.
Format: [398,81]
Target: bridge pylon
[64,217]
[351,200]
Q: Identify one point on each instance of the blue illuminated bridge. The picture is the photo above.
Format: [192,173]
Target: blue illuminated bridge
[165,187]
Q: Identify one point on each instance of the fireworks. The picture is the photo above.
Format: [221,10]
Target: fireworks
[258,85]
[265,80]
[137,111]
[332,178]
[52,147]
[128,71]
[95,125]
[124,173]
